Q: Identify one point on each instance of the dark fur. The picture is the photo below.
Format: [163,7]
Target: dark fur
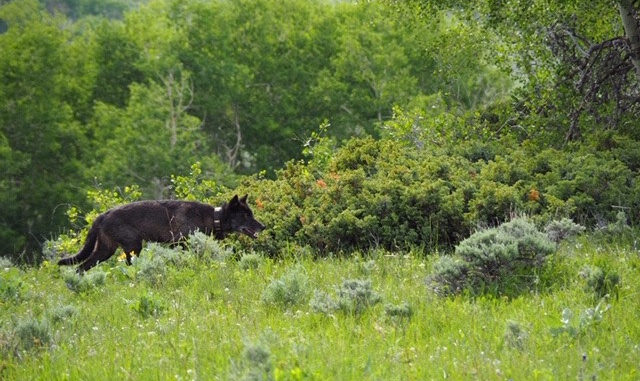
[159,221]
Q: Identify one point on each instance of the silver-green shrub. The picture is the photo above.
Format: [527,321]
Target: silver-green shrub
[250,261]
[449,276]
[601,281]
[353,297]
[33,333]
[290,289]
[559,230]
[206,246]
[398,311]
[503,259]
[85,282]
[62,312]
[356,295]
[323,303]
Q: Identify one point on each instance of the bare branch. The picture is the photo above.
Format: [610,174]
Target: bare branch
[180,97]
[233,151]
[598,73]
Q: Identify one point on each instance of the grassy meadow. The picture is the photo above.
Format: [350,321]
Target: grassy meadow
[208,313]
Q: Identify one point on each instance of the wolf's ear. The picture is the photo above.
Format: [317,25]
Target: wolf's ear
[234,200]
[243,200]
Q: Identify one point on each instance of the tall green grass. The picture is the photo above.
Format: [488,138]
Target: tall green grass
[213,318]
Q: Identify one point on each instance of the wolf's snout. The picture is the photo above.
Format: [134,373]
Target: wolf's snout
[253,229]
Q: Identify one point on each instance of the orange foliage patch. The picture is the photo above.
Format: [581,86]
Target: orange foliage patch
[534,195]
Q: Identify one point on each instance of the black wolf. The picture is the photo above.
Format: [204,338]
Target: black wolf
[160,221]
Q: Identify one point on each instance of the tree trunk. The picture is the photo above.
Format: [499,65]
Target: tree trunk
[632,31]
[172,123]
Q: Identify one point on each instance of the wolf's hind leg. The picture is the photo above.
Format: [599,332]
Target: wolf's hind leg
[130,247]
[101,253]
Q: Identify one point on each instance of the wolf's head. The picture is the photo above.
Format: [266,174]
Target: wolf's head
[241,217]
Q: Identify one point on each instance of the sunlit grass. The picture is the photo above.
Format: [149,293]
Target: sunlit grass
[208,319]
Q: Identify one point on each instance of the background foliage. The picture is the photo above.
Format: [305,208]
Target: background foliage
[435,117]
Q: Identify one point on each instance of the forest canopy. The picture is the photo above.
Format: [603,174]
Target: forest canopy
[501,95]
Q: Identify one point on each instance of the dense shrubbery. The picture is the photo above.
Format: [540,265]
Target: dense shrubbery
[370,193]
[390,194]
[384,193]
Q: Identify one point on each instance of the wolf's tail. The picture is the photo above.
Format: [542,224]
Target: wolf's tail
[86,250]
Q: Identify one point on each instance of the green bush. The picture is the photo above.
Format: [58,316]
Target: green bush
[85,282]
[601,281]
[515,335]
[494,203]
[289,290]
[250,261]
[399,311]
[381,193]
[352,297]
[503,259]
[5,263]
[156,260]
[356,295]
[206,246]
[166,254]
[151,269]
[322,302]
[255,364]
[585,185]
[148,306]
[449,276]
[369,194]
[33,333]
[620,225]
[62,312]
[559,230]
[494,254]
